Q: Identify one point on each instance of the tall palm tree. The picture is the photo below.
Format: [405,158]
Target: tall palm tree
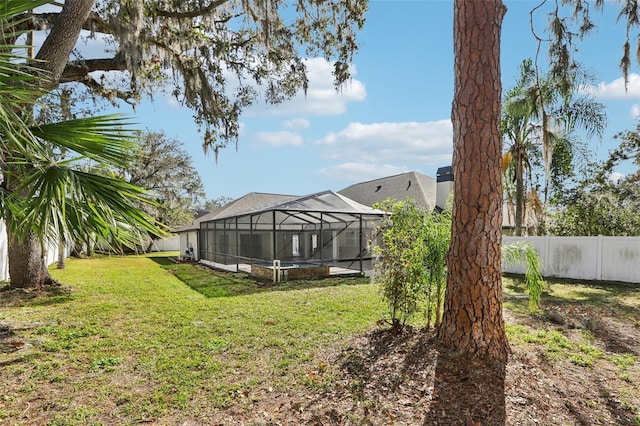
[44,196]
[538,116]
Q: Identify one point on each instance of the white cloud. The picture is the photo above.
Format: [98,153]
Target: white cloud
[616,176]
[322,97]
[635,111]
[296,123]
[616,89]
[275,139]
[360,172]
[406,143]
[89,46]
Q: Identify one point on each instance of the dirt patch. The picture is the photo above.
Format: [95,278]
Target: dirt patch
[10,296]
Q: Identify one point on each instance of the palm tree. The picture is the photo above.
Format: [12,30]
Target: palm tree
[539,117]
[45,196]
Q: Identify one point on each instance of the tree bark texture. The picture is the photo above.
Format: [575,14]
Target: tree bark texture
[472,323]
[520,211]
[26,263]
[61,40]
[61,263]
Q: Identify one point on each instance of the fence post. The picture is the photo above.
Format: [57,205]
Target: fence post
[546,268]
[599,255]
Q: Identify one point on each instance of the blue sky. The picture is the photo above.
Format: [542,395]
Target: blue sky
[395,114]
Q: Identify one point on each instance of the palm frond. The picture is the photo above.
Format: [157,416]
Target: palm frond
[522,253]
[107,139]
[9,9]
[62,202]
[49,198]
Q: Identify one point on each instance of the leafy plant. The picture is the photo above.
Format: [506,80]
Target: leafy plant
[412,262]
[400,269]
[523,253]
[437,240]
[412,266]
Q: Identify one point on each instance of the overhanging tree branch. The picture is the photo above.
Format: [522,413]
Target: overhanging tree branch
[54,53]
[129,97]
[79,70]
[206,10]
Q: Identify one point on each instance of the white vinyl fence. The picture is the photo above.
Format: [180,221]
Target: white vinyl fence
[589,258]
[4,260]
[171,243]
[51,251]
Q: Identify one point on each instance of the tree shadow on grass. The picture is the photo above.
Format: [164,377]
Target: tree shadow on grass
[212,283]
[610,298]
[6,340]
[611,314]
[41,296]
[10,342]
[623,415]
[163,260]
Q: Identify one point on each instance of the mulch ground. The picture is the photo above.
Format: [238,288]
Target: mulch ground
[385,378]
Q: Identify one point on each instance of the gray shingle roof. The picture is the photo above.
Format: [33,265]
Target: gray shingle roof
[414,185]
[252,202]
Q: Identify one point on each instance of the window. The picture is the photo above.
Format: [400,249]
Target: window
[295,245]
[351,238]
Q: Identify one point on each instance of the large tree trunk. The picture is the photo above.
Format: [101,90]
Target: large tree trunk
[27,267]
[54,52]
[472,323]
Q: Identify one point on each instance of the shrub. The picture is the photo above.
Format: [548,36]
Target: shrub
[411,265]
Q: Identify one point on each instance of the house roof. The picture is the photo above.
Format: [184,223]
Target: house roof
[414,185]
[320,202]
[191,226]
[246,203]
[195,223]
[326,201]
[252,202]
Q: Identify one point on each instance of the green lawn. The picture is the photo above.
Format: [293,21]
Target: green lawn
[139,338]
[142,339]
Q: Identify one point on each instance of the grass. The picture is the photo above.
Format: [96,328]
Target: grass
[565,300]
[133,337]
[142,339]
[619,298]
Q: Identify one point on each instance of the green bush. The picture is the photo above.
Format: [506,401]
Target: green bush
[411,267]
[411,261]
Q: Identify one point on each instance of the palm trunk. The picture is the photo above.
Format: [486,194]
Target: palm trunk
[519,192]
[60,264]
[27,267]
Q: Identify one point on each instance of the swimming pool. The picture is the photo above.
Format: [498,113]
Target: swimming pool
[289,270]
